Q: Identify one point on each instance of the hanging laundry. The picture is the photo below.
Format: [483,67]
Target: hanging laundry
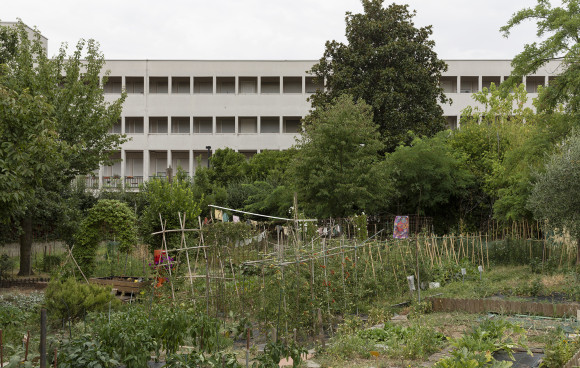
[286,230]
[236,219]
[218,214]
[226,217]
[253,223]
[205,221]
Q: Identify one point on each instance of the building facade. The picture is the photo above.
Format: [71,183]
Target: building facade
[179,111]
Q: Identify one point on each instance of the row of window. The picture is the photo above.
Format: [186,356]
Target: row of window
[205,125]
[231,85]
[470,84]
[276,85]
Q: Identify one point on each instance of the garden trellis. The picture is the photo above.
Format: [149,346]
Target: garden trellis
[306,275]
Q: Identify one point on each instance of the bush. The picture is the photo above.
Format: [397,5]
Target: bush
[6,266]
[73,299]
[50,262]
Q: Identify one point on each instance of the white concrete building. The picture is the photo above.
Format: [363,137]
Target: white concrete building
[176,109]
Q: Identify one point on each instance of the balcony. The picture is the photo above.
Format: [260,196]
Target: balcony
[133,181]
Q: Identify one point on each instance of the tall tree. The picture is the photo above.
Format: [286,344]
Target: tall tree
[332,168]
[427,178]
[560,27]
[555,195]
[70,87]
[391,65]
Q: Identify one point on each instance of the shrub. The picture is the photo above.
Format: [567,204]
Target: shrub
[51,261]
[73,299]
[6,266]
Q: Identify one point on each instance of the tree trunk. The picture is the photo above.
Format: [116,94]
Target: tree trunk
[26,247]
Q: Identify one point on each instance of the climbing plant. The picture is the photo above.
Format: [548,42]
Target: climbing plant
[108,217]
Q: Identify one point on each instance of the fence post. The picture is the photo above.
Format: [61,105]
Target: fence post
[43,338]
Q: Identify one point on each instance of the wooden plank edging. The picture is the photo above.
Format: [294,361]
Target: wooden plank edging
[505,306]
[574,362]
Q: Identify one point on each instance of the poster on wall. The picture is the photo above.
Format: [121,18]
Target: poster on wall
[401,227]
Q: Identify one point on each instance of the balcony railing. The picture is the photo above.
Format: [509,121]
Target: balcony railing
[116,181]
[112,182]
[133,181]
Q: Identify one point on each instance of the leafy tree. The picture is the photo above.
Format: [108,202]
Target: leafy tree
[555,195]
[427,177]
[391,65]
[560,27]
[490,130]
[227,166]
[514,177]
[332,168]
[166,200]
[270,165]
[68,86]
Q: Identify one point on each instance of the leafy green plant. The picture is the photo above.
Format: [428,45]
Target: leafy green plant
[464,358]
[346,347]
[407,342]
[198,359]
[6,266]
[474,348]
[85,351]
[50,262]
[276,351]
[559,350]
[127,334]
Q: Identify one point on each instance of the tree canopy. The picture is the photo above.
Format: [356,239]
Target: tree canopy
[560,27]
[390,64]
[555,196]
[59,123]
[332,168]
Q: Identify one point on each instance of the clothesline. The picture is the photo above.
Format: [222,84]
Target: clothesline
[260,215]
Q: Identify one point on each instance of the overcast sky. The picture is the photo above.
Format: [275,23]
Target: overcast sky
[258,29]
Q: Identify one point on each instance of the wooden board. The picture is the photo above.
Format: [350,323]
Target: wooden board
[122,284]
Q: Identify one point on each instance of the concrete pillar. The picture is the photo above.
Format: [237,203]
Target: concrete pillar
[169,159]
[281,122]
[458,84]
[479,83]
[303,84]
[281,84]
[169,84]
[213,125]
[214,85]
[146,165]
[190,163]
